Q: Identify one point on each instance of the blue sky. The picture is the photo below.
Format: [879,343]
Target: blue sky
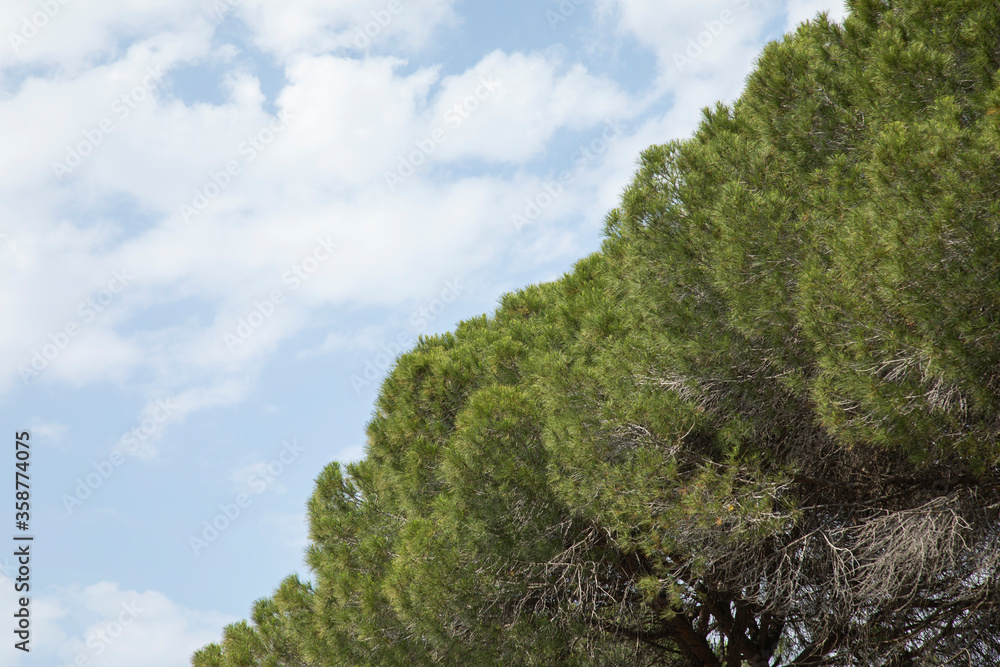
[221,220]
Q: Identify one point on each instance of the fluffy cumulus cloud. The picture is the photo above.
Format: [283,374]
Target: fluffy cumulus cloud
[296,27]
[508,106]
[74,35]
[118,196]
[219,226]
[714,39]
[102,624]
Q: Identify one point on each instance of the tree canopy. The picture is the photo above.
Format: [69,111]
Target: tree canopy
[760,427]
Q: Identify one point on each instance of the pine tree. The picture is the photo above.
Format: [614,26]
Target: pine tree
[760,427]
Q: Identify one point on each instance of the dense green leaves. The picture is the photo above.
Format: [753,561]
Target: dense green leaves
[760,427]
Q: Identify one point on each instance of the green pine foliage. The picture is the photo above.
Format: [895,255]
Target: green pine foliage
[760,427]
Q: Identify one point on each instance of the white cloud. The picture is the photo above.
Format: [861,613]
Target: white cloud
[714,38]
[508,106]
[320,176]
[350,115]
[201,398]
[350,122]
[74,35]
[110,627]
[288,28]
[367,338]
